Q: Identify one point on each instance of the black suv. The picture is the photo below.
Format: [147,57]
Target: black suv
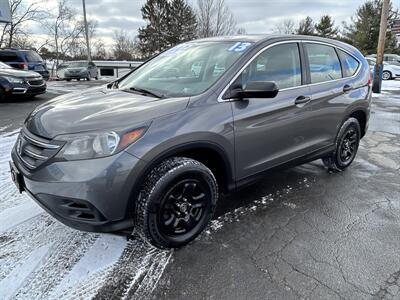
[155,148]
[19,83]
[28,60]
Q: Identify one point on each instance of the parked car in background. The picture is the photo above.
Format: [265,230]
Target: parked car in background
[60,72]
[154,149]
[389,71]
[81,70]
[14,82]
[28,60]
[391,59]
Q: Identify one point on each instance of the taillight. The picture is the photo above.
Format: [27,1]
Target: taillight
[370,79]
[23,66]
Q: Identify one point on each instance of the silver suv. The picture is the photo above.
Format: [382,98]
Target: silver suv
[80,70]
[154,149]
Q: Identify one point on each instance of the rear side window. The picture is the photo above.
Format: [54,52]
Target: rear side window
[324,63]
[349,64]
[32,56]
[279,63]
[9,56]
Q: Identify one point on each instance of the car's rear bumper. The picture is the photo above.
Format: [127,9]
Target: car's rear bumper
[90,195]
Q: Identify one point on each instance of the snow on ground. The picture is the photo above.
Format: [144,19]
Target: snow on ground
[391,85]
[41,258]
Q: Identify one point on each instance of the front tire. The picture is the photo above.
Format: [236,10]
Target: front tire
[176,202]
[346,146]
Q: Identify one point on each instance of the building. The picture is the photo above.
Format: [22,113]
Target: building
[395,28]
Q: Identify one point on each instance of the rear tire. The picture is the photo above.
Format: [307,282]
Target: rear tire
[176,202]
[386,75]
[346,146]
[68,80]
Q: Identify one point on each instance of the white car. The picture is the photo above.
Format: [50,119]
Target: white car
[389,71]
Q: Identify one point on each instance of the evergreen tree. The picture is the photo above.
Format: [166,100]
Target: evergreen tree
[306,27]
[153,38]
[169,23]
[363,32]
[183,24]
[326,27]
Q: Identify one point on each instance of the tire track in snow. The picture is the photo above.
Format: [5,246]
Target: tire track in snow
[136,273]
[63,255]
[39,256]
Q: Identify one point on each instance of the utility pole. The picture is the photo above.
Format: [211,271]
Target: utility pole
[381,48]
[86,31]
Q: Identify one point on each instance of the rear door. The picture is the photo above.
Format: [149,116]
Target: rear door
[332,88]
[271,131]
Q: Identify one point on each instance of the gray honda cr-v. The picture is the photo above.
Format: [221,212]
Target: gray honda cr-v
[154,149]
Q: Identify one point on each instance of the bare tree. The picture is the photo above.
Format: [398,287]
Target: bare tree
[124,47]
[78,49]
[286,27]
[214,18]
[99,49]
[21,14]
[64,29]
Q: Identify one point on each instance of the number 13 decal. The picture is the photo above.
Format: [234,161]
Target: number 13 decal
[239,46]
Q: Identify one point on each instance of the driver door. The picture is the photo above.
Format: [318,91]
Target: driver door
[272,131]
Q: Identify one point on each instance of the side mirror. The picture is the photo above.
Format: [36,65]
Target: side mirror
[256,89]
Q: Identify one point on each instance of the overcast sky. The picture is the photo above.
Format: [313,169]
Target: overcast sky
[256,16]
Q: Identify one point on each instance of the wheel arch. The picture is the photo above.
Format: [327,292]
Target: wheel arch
[361,117]
[210,154]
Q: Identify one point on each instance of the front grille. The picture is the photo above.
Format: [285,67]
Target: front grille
[33,150]
[35,82]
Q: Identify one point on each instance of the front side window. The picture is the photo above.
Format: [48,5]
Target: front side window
[324,63]
[279,63]
[349,64]
[185,70]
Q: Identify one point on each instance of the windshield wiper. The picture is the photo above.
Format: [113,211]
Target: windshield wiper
[144,91]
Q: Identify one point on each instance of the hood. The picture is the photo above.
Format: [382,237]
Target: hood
[18,73]
[99,109]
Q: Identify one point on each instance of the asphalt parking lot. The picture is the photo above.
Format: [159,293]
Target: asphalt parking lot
[301,233]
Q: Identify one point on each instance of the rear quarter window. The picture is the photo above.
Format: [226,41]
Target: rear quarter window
[349,64]
[32,56]
[9,56]
[324,63]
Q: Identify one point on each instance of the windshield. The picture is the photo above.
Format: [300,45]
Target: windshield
[4,66]
[185,70]
[78,64]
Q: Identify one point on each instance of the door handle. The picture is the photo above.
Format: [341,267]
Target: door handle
[302,100]
[347,88]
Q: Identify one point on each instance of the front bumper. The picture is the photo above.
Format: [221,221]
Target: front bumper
[25,90]
[90,195]
[75,76]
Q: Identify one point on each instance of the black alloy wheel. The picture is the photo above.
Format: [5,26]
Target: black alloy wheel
[183,207]
[176,202]
[346,146]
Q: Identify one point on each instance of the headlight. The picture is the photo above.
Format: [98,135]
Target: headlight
[13,79]
[96,144]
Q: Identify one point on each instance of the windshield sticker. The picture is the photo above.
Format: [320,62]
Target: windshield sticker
[239,47]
